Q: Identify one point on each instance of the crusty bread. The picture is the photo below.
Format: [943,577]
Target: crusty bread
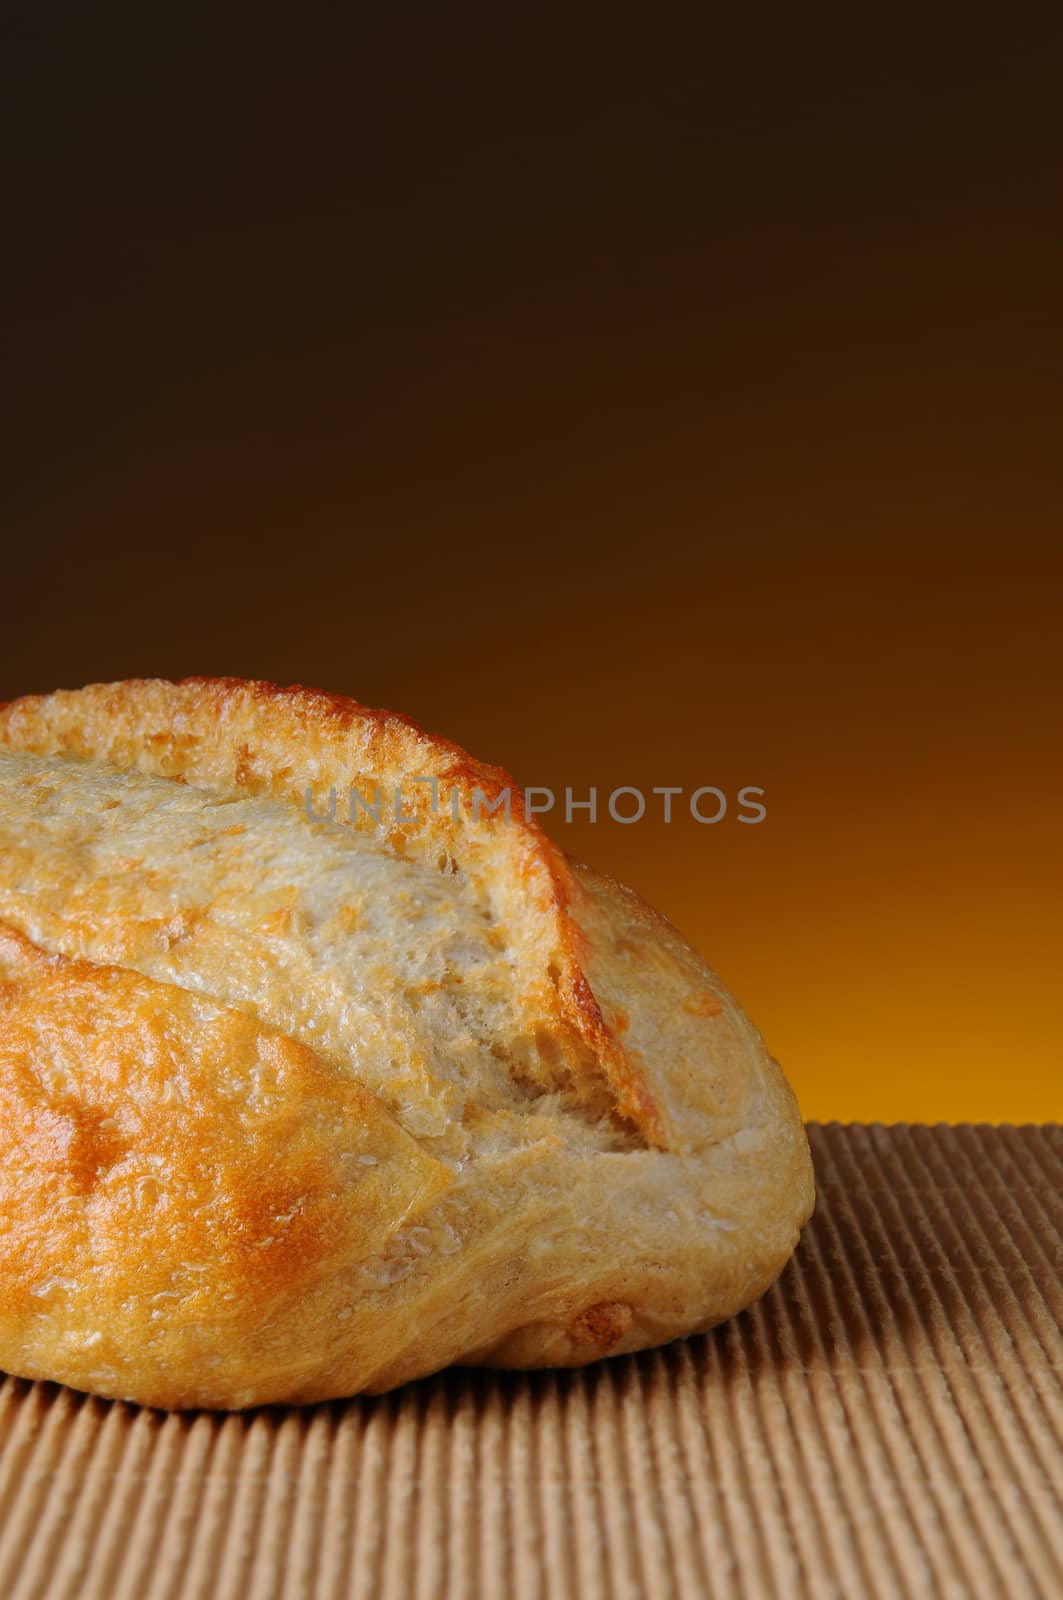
[294,1107]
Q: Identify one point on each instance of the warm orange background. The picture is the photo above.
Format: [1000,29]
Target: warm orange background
[637,408]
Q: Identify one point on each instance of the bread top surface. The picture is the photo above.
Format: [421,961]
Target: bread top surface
[453,1095]
[181,830]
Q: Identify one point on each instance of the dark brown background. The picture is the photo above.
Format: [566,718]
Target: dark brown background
[637,399]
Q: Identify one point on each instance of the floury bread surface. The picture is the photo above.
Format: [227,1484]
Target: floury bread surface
[292,1108]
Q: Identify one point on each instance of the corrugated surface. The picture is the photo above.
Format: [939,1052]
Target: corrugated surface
[888,1421]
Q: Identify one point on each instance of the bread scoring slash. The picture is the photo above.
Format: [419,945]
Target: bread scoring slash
[292,1109]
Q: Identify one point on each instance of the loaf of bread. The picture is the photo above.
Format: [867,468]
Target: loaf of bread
[303,1095]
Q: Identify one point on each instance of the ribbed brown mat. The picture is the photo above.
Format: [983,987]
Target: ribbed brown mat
[887,1421]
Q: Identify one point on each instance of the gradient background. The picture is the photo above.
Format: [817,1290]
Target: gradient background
[636,399]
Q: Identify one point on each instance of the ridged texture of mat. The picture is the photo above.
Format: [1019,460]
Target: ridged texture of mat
[888,1421]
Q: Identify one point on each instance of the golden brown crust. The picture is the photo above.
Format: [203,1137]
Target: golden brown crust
[174,1180]
[236,736]
[290,1110]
